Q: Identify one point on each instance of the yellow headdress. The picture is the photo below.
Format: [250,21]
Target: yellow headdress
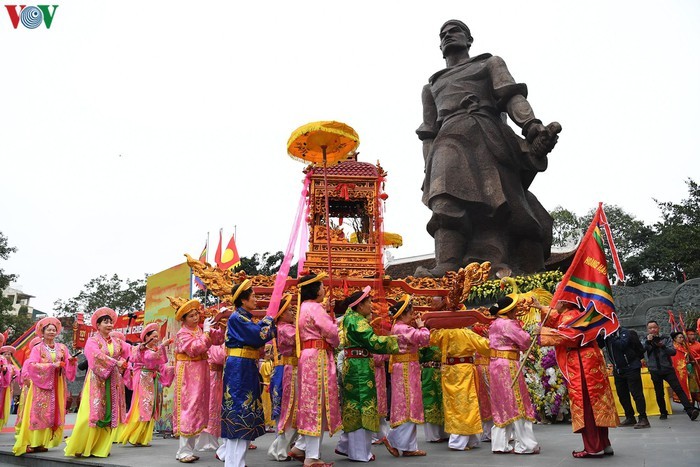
[240,288]
[286,301]
[406,299]
[319,277]
[188,306]
[503,307]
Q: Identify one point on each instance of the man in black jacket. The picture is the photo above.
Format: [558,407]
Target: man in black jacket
[625,352]
[659,350]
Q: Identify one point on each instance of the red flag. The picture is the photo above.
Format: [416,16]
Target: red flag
[230,258]
[21,344]
[672,322]
[586,284]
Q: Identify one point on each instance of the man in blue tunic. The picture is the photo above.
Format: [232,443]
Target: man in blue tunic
[242,417]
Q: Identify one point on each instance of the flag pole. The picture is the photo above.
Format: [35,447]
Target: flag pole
[206,260]
[523,360]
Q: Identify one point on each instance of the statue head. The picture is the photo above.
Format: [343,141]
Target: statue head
[454,36]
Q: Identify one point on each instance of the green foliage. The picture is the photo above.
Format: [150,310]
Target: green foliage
[568,228]
[5,279]
[266,264]
[668,250]
[491,291]
[17,324]
[206,299]
[122,296]
[631,237]
[675,249]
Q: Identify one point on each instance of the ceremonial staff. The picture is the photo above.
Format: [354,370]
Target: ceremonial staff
[529,350]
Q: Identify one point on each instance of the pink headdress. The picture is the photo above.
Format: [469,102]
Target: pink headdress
[365,293]
[100,312]
[155,326]
[41,325]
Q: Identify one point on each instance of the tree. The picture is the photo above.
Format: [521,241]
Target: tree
[20,322]
[206,299]
[631,237]
[568,228]
[266,265]
[123,296]
[5,279]
[673,253]
[16,324]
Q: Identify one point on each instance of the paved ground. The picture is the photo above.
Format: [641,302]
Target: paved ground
[671,443]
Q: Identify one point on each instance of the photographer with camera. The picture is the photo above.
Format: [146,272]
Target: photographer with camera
[659,350]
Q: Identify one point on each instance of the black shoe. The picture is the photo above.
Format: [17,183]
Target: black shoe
[629,421]
[694,414]
[663,416]
[642,423]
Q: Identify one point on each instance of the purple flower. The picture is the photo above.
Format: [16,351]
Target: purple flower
[549,360]
[545,382]
[556,404]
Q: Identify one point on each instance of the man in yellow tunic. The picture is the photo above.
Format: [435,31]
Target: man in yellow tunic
[459,391]
[266,374]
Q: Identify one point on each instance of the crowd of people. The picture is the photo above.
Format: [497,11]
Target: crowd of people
[326,373]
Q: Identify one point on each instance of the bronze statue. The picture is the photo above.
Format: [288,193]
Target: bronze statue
[477,170]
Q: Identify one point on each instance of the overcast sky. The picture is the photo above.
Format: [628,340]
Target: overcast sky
[128,130]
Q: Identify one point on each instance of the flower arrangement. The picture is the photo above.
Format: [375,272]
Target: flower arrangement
[545,382]
[491,290]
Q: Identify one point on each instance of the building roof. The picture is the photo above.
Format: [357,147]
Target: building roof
[12,291]
[404,267]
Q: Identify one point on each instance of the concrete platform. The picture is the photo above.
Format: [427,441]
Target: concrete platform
[671,443]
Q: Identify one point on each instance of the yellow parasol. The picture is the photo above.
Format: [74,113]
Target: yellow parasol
[325,142]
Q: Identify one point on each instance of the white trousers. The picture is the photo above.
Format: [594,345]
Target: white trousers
[235,450]
[313,446]
[464,442]
[281,445]
[486,430]
[403,437]
[520,431]
[434,432]
[207,442]
[356,444]
[221,451]
[300,443]
[383,430]
[186,447]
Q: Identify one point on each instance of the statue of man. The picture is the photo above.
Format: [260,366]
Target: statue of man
[477,170]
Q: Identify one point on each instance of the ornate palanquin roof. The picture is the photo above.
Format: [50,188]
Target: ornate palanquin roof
[350,169]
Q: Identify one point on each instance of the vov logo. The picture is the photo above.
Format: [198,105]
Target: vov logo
[31,16]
